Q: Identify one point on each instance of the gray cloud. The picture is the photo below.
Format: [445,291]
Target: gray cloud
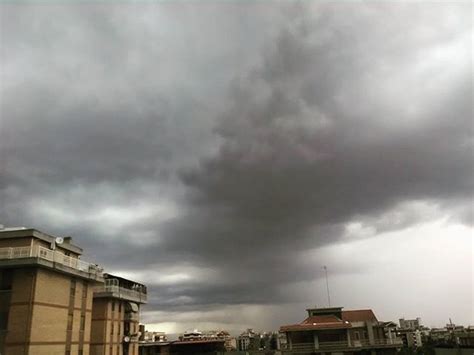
[222,143]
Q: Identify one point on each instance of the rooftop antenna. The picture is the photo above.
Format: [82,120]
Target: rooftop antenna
[327,284]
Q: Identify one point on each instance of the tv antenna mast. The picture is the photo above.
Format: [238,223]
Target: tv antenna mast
[327,284]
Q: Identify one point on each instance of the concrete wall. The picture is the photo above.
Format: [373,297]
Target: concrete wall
[17,242]
[40,306]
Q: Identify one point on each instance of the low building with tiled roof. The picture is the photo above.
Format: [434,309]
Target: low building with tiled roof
[332,330]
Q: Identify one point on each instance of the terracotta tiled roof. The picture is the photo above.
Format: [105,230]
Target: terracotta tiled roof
[360,315]
[317,322]
[321,319]
[331,321]
[300,327]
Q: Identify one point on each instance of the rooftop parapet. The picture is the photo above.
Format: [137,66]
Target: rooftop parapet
[40,256]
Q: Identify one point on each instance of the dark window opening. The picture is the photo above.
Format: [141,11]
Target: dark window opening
[6,279]
[83,322]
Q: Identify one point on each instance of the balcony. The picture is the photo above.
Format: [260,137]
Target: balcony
[47,257]
[112,288]
[308,348]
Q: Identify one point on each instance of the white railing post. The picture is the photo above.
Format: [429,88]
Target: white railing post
[316,341]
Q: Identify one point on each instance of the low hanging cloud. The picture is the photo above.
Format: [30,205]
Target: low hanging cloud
[209,159]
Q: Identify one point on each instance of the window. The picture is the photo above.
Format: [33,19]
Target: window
[84,290]
[112,328]
[3,320]
[69,321]
[113,306]
[83,322]
[120,307]
[43,253]
[356,336]
[6,279]
[73,289]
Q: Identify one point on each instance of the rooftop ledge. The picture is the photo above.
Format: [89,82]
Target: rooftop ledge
[44,257]
[341,345]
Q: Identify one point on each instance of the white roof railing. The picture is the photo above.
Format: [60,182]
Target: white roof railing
[51,255]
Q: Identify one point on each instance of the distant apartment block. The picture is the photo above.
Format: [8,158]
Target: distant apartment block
[50,298]
[452,336]
[197,347]
[410,323]
[456,340]
[150,337]
[229,341]
[410,332]
[411,338]
[191,335]
[465,338]
[334,331]
[220,335]
[248,340]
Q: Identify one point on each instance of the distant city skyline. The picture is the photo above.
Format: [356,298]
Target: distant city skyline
[223,153]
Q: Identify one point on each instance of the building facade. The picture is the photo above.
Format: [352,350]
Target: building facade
[46,294]
[334,331]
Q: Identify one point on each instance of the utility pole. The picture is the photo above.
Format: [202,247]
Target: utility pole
[327,284]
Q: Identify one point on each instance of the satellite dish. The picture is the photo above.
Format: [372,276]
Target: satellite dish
[59,240]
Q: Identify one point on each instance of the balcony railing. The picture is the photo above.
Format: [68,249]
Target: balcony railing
[300,347]
[50,255]
[334,345]
[15,253]
[122,292]
[384,342]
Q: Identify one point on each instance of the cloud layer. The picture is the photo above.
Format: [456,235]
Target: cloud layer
[215,151]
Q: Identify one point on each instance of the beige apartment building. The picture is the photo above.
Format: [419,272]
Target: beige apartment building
[46,296]
[115,316]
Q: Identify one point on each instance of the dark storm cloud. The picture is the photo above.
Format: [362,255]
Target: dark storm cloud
[173,139]
[305,150]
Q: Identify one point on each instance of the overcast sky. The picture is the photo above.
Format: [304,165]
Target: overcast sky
[222,153]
